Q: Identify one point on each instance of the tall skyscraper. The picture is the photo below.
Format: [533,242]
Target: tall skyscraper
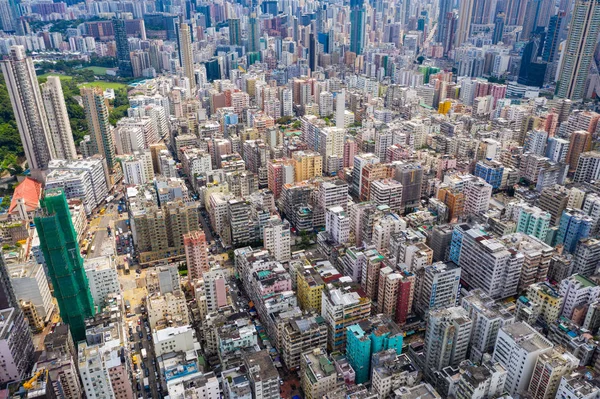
[553,37]
[532,13]
[312,52]
[358,19]
[96,113]
[186,55]
[58,118]
[579,50]
[123,56]
[444,8]
[465,17]
[27,104]
[58,241]
[235,38]
[253,34]
[498,28]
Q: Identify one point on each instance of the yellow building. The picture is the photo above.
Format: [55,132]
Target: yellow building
[444,107]
[310,286]
[307,164]
[547,299]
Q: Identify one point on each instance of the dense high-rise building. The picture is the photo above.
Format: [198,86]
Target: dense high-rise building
[196,254]
[96,113]
[8,298]
[579,142]
[446,338]
[312,52]
[58,241]
[485,262]
[28,106]
[358,19]
[235,37]
[122,44]
[253,34]
[186,55]
[58,119]
[16,345]
[465,17]
[579,50]
[588,167]
[574,225]
[445,7]
[488,317]
[553,37]
[368,337]
[519,344]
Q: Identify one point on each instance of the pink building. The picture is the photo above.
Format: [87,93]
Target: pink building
[350,150]
[196,253]
[279,173]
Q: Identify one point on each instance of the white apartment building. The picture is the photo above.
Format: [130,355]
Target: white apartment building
[388,224]
[588,167]
[174,339]
[488,317]
[325,104]
[487,264]
[337,224]
[93,372]
[30,284]
[446,338]
[477,197]
[576,385]
[387,192]
[591,207]
[577,290]
[437,286]
[138,169]
[214,283]
[517,349]
[276,239]
[85,179]
[102,277]
[58,118]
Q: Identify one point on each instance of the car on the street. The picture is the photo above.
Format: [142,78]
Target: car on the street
[141,335]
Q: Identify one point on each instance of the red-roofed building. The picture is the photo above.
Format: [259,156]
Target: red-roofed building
[26,198]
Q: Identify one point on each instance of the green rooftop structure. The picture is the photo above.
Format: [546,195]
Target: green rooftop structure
[58,241]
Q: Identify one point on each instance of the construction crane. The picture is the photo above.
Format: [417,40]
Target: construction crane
[30,384]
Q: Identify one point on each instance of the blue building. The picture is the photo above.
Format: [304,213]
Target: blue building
[491,172]
[371,336]
[456,242]
[574,225]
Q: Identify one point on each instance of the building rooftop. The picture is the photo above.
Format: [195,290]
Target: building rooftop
[584,281]
[528,338]
[422,391]
[29,191]
[319,366]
